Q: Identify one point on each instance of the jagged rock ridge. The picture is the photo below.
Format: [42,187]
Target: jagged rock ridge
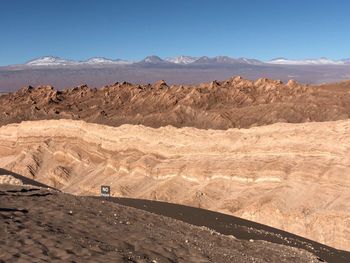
[235,103]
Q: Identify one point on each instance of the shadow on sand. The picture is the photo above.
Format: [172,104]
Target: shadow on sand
[231,225]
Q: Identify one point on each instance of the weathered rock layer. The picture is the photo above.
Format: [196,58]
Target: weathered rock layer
[291,176]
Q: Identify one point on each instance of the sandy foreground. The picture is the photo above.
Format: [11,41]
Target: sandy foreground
[43,225]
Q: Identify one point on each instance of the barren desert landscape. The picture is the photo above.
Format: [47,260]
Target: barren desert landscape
[182,145]
[175,131]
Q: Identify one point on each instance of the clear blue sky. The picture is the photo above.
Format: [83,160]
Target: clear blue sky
[130,29]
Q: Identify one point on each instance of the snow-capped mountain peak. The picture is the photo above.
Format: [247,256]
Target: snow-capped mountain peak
[57,61]
[102,60]
[226,60]
[250,61]
[182,59]
[98,60]
[319,61]
[50,61]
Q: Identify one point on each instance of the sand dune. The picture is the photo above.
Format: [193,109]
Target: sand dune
[289,176]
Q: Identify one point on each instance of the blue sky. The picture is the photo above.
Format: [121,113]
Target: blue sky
[131,29]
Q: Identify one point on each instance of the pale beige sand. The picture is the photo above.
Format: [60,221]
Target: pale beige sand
[295,177]
[9,179]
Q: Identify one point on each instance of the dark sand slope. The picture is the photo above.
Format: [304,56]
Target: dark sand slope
[40,225]
[238,227]
[97,229]
[217,105]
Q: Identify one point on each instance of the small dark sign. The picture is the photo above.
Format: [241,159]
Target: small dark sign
[105,190]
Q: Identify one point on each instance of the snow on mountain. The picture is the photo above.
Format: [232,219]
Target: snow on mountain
[57,61]
[182,59]
[320,61]
[215,60]
[226,60]
[50,61]
[103,61]
[250,61]
[98,61]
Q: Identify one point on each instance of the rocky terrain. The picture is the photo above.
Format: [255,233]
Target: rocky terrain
[70,229]
[271,152]
[235,103]
[290,176]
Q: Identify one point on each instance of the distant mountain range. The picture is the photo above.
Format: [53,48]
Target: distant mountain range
[319,61]
[57,61]
[181,60]
[100,71]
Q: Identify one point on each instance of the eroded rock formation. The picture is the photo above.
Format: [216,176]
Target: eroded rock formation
[235,103]
[291,176]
